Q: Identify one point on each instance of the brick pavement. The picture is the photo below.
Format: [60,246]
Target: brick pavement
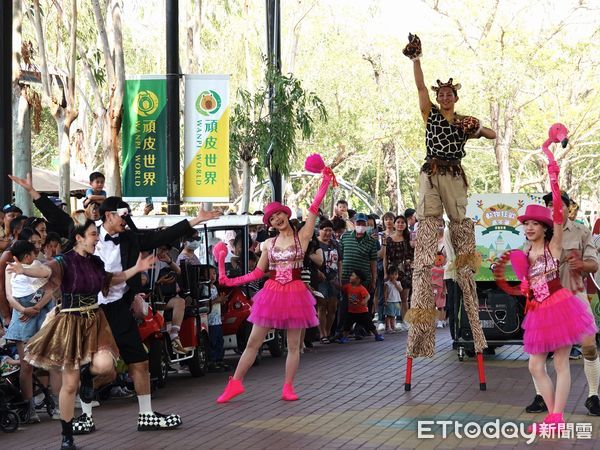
[352,396]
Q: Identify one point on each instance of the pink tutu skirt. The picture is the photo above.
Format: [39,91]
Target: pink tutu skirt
[560,320]
[284,306]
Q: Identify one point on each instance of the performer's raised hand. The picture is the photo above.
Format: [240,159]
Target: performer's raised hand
[203,216]
[413,49]
[27,184]
[143,264]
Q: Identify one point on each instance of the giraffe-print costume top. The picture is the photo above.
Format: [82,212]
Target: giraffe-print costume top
[443,140]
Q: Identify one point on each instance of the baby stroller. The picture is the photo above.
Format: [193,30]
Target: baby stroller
[11,405]
[11,401]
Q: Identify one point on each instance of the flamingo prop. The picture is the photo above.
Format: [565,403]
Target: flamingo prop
[314,163]
[557,133]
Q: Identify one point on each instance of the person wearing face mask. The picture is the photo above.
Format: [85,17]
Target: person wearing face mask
[187,254]
[360,253]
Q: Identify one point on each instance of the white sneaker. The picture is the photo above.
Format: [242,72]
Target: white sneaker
[95,403]
[380,327]
[440,324]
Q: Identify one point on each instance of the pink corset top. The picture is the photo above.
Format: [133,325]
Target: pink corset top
[284,260]
[543,271]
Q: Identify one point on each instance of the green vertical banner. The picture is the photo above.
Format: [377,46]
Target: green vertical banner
[145,137]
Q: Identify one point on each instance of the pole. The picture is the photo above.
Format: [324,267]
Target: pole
[173,127]
[274,58]
[6,17]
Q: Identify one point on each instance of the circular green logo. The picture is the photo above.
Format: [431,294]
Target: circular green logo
[208,102]
[145,103]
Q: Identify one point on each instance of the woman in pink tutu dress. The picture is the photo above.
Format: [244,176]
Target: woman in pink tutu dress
[555,319]
[284,302]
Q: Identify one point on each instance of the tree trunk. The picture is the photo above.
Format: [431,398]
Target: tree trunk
[505,134]
[246,186]
[389,169]
[110,153]
[400,203]
[21,146]
[21,128]
[112,115]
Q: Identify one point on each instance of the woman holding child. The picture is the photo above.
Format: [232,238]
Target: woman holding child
[78,337]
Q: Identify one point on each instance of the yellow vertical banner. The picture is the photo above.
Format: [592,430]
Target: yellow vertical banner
[206,139]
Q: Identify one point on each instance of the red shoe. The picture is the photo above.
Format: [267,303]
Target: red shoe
[232,390]
[288,394]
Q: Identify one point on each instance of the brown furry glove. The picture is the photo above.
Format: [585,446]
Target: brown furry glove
[469,124]
[413,49]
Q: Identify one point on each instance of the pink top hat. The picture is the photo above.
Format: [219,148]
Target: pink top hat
[538,213]
[273,208]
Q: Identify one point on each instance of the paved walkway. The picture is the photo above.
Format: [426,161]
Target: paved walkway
[352,396]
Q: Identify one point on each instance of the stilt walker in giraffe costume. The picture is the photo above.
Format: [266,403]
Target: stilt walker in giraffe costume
[442,186]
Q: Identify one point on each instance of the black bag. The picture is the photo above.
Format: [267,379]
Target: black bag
[501,317]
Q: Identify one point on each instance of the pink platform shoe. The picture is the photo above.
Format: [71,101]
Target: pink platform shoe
[552,421]
[232,390]
[288,394]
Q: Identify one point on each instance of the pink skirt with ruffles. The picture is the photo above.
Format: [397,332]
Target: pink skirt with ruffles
[284,306]
[559,321]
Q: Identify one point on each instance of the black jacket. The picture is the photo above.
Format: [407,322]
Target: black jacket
[132,243]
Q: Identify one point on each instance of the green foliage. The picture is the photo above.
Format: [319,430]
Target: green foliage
[256,134]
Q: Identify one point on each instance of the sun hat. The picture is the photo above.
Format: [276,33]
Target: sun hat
[538,213]
[275,207]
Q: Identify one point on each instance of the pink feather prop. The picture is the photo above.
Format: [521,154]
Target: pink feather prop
[219,251]
[314,163]
[520,264]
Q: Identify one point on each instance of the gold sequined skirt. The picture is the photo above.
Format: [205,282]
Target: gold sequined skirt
[68,341]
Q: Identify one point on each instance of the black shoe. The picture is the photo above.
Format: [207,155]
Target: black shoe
[223,366]
[575,353]
[538,405]
[68,443]
[593,405]
[489,351]
[86,387]
[214,367]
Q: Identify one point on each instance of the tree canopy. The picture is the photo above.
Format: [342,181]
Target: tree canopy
[522,65]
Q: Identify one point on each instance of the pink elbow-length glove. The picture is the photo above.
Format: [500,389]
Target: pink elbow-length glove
[557,203]
[327,177]
[219,253]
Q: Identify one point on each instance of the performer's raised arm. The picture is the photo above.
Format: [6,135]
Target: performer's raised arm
[414,51]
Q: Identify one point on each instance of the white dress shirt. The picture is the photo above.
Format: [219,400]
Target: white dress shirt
[110,254]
